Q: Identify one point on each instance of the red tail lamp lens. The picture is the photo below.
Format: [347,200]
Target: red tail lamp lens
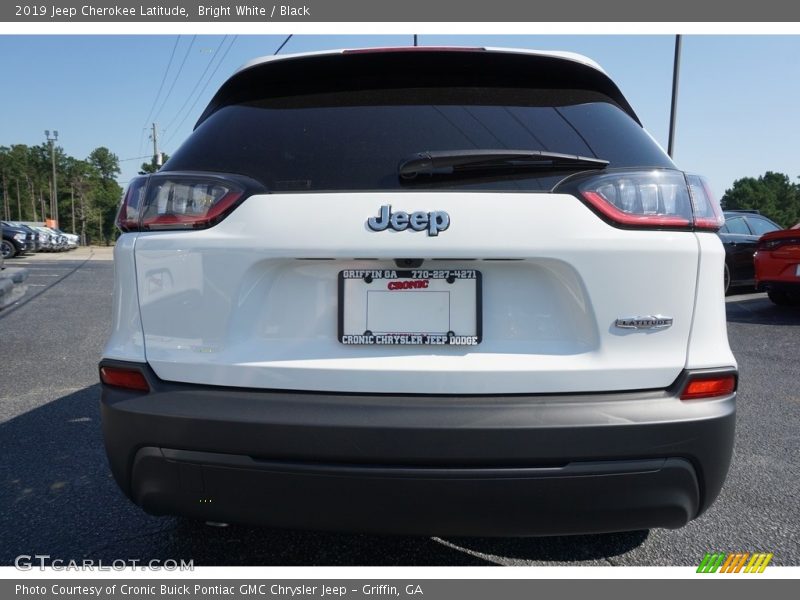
[707,212]
[187,203]
[177,201]
[129,379]
[132,203]
[653,198]
[641,199]
[709,387]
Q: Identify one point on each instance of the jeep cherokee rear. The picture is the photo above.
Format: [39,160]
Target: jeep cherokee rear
[430,291]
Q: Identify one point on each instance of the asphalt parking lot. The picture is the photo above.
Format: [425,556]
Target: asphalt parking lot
[57,496]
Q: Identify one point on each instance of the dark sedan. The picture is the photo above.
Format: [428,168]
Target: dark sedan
[740,236]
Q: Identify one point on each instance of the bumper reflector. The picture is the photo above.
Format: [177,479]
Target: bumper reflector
[124,378]
[709,387]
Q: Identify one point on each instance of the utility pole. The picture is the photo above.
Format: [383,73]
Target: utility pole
[72,201]
[54,195]
[19,202]
[33,197]
[41,203]
[156,153]
[6,208]
[676,71]
[83,216]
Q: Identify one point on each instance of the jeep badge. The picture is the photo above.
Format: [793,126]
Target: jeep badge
[434,222]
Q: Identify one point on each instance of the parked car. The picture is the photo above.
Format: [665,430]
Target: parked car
[421,291]
[30,240]
[54,241]
[60,239]
[37,244]
[16,241]
[72,240]
[740,235]
[46,240]
[41,238]
[777,263]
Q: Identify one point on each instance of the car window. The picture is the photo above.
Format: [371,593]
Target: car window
[760,225]
[354,140]
[737,225]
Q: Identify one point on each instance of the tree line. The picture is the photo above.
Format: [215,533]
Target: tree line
[774,195]
[87,191]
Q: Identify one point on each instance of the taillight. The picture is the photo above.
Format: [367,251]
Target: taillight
[709,386]
[169,200]
[776,243]
[707,212]
[132,202]
[654,198]
[130,379]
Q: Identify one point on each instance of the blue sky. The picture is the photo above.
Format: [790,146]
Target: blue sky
[738,109]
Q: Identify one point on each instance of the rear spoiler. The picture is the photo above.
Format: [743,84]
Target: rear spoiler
[412,67]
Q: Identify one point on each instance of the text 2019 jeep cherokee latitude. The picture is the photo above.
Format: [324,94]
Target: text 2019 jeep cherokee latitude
[420,290]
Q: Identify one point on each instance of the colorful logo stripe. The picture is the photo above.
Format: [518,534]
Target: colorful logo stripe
[734,562]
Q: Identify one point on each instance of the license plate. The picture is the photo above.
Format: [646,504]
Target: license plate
[416,307]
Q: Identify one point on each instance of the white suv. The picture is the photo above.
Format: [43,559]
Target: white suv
[420,290]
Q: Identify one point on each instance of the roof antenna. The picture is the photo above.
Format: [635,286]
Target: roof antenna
[415,40]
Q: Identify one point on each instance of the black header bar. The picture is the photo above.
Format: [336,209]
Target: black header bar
[464,11]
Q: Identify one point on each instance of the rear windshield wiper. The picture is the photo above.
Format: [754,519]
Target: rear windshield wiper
[450,162]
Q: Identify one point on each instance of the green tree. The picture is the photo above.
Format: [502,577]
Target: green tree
[105,191]
[26,174]
[81,176]
[17,174]
[772,194]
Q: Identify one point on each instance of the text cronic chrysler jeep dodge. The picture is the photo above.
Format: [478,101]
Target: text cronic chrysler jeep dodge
[420,290]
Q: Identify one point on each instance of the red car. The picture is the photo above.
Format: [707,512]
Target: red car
[777,261]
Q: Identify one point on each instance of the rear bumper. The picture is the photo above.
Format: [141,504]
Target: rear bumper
[781,285]
[469,465]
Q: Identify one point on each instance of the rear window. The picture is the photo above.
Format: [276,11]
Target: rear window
[761,226]
[355,140]
[737,225]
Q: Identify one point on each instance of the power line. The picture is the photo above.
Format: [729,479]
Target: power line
[197,98]
[288,37]
[200,95]
[172,135]
[141,139]
[163,80]
[160,87]
[175,80]
[196,85]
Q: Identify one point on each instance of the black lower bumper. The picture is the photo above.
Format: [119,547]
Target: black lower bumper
[791,287]
[472,465]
